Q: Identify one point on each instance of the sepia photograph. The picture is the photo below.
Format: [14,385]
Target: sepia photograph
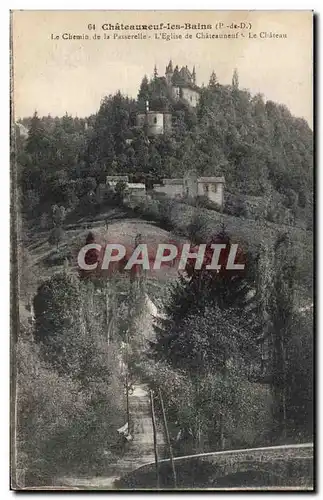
[162,219]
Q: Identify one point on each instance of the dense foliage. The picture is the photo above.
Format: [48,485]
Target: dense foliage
[262,150]
[231,353]
[69,383]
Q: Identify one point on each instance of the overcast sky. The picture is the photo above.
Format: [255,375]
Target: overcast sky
[58,76]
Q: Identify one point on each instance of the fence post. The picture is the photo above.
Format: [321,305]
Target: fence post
[153,419]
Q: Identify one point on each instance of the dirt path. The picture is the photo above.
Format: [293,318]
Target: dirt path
[140,450]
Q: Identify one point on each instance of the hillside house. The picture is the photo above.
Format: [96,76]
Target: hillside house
[192,186]
[211,187]
[170,187]
[132,189]
[21,130]
[103,191]
[112,180]
[136,189]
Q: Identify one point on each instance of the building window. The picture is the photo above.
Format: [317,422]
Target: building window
[206,189]
[155,119]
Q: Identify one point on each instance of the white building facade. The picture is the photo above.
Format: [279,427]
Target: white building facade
[191,186]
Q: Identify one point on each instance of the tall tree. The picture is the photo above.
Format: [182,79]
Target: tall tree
[201,289]
[37,139]
[213,82]
[56,306]
[235,79]
[144,93]
[282,313]
[300,375]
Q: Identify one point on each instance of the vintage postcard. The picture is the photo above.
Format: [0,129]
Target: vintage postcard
[162,250]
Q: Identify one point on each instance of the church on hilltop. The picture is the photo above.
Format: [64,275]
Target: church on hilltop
[182,83]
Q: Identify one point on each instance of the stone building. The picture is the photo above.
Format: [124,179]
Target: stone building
[157,122]
[170,187]
[211,187]
[113,179]
[136,189]
[192,186]
[132,189]
[183,83]
[21,130]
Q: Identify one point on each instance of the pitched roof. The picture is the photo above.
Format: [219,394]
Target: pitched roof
[219,180]
[136,185]
[172,181]
[183,78]
[185,74]
[117,178]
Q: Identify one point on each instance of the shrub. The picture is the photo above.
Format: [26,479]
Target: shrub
[235,205]
[197,228]
[58,257]
[120,191]
[205,202]
[151,210]
[56,236]
[165,209]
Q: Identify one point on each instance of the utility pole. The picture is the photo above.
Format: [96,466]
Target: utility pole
[107,304]
[127,377]
[127,398]
[170,451]
[153,419]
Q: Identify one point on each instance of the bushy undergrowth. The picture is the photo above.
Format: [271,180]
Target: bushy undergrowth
[193,408]
[70,396]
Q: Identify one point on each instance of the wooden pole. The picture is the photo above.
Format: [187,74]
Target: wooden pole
[153,419]
[127,380]
[107,312]
[170,451]
[127,399]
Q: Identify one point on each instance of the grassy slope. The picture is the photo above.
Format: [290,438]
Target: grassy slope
[250,233]
[123,228]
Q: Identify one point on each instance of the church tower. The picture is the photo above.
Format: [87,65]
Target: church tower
[169,73]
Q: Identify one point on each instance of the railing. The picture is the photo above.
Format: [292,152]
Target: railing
[274,467]
[268,450]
